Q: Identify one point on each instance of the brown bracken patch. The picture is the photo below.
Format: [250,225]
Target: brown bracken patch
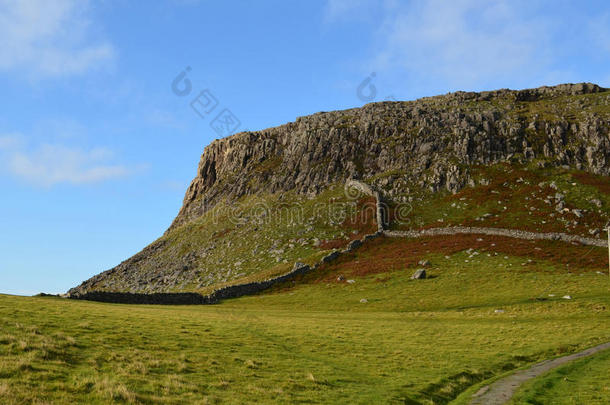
[602,183]
[388,254]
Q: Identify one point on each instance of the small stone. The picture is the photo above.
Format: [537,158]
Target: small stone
[419,274]
[566,297]
[351,281]
[499,311]
[578,213]
[364,301]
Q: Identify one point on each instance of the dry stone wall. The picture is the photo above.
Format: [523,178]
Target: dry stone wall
[239,290]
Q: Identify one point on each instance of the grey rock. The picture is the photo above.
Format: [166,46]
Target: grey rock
[419,274]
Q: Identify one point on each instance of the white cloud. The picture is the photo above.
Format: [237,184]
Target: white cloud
[9,141]
[49,38]
[345,9]
[48,165]
[463,42]
[421,47]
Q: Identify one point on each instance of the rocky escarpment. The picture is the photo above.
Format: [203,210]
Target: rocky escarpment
[431,141]
[432,144]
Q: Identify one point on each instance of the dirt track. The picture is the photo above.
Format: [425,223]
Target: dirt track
[502,390]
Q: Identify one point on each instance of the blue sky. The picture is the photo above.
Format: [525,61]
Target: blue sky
[97,149]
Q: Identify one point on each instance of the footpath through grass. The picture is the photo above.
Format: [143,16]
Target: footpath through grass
[483,313]
[584,381]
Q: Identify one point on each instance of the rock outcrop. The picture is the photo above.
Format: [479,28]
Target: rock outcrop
[433,140]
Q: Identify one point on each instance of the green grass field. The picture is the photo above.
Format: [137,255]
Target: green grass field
[483,312]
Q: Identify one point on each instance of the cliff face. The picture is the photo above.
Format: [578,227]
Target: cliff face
[432,144]
[432,140]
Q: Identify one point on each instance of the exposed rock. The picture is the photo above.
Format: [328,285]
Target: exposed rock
[419,274]
[445,137]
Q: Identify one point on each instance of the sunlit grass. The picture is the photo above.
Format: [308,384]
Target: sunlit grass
[422,341]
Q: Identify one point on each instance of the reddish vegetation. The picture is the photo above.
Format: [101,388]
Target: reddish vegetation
[520,199]
[364,221]
[599,182]
[388,254]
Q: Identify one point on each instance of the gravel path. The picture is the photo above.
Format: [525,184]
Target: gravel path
[502,390]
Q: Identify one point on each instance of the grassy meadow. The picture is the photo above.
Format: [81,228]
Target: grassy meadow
[370,336]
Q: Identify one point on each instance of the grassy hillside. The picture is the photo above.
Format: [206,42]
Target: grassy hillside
[256,237]
[491,305]
[517,197]
[259,237]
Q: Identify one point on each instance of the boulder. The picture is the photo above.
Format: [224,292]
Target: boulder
[419,274]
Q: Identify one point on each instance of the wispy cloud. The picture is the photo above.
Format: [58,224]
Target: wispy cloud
[48,165]
[8,142]
[337,10]
[48,38]
[464,42]
[467,44]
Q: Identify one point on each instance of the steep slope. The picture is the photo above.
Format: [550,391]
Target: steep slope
[262,200]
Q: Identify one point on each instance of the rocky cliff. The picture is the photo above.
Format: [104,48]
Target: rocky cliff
[431,144]
[433,140]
